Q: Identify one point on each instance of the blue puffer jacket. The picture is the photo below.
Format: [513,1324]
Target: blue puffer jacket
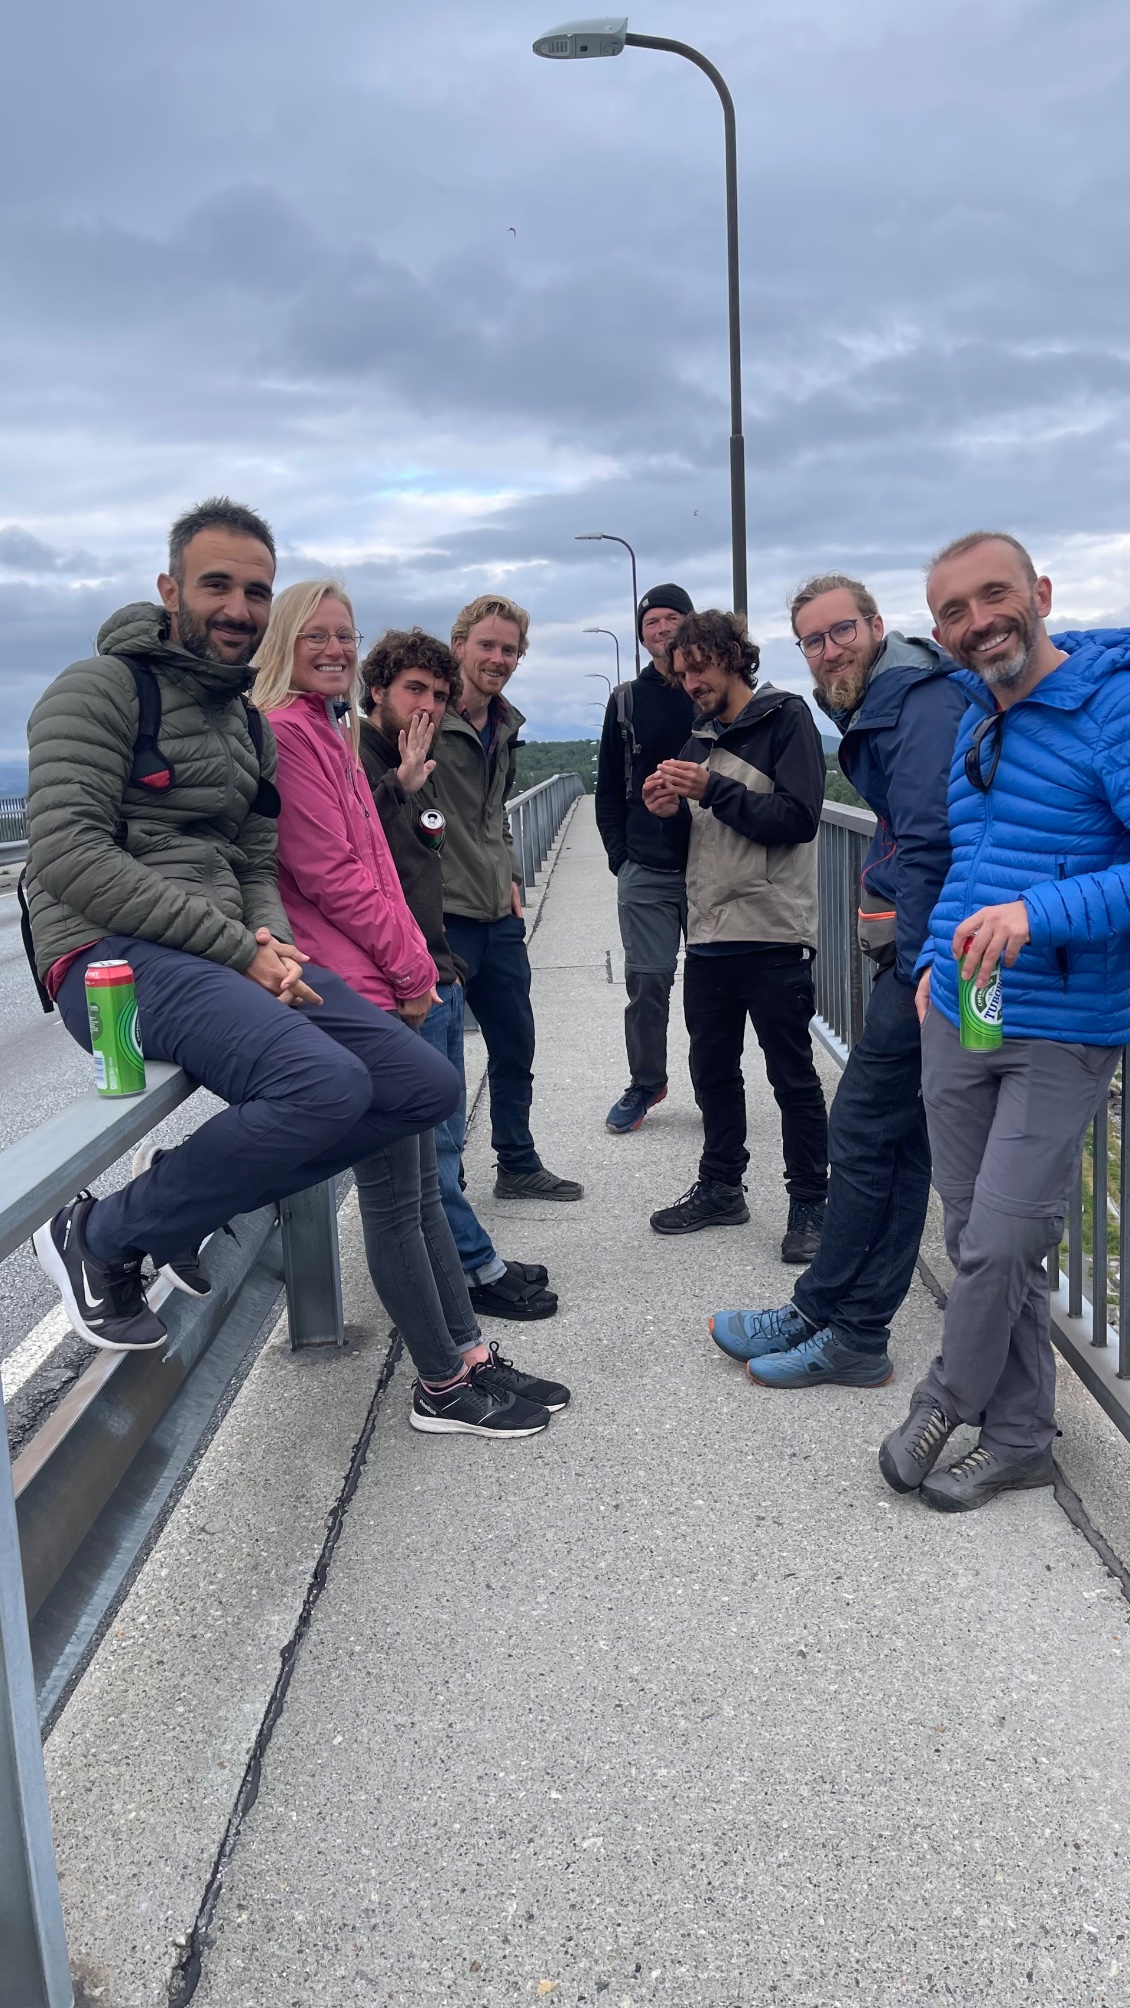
[1054,829]
[896,750]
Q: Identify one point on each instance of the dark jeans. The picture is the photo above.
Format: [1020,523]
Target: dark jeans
[310,1090]
[773,987]
[411,1256]
[498,991]
[443,1029]
[880,1178]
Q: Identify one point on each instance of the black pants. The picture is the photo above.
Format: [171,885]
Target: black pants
[773,987]
[880,1184]
[498,991]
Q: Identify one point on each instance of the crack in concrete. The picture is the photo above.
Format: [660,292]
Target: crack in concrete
[185,1977]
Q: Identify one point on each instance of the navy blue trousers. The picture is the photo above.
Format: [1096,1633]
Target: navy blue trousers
[310,1090]
[880,1178]
[497,989]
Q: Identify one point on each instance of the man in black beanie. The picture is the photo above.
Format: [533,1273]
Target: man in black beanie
[647,720]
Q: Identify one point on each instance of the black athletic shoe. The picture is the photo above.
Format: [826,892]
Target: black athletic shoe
[473,1409]
[802,1235]
[513,1296]
[105,1301]
[539,1184]
[184,1271]
[703,1206]
[531,1272]
[980,1475]
[502,1375]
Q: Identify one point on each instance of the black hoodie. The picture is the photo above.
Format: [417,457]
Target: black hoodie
[661,718]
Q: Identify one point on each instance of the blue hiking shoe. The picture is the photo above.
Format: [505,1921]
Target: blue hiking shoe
[822,1361]
[628,1113]
[749,1335]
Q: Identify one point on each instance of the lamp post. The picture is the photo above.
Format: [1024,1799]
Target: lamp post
[599,674]
[610,37]
[615,643]
[606,537]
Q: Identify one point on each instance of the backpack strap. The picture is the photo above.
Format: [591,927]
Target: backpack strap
[29,945]
[150,769]
[267,800]
[624,700]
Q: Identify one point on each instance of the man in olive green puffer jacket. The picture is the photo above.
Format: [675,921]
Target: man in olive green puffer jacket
[165,856]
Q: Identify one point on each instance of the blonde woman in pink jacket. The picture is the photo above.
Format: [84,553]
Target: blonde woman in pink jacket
[343,898]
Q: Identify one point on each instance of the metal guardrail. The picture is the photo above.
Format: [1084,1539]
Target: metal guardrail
[13,819]
[535,818]
[66,1476]
[1087,1271]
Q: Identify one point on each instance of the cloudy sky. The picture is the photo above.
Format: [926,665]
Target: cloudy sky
[434,306]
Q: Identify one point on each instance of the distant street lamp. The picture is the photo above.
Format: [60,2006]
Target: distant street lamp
[606,537]
[615,643]
[609,37]
[599,674]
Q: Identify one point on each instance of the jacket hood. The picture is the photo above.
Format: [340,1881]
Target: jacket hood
[902,660]
[763,699]
[142,629]
[1093,654]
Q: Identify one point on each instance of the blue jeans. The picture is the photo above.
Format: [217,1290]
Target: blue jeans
[309,1090]
[498,991]
[443,1029]
[879,1154]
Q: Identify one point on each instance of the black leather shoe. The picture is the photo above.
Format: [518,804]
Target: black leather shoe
[539,1184]
[980,1475]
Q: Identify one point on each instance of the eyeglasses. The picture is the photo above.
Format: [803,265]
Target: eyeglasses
[318,637]
[989,728]
[841,632]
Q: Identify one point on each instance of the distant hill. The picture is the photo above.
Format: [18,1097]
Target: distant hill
[13,777]
[538,759]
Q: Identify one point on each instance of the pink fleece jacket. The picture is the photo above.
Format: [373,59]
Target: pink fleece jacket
[336,876]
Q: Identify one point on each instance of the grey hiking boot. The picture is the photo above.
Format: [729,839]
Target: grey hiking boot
[981,1474]
[910,1452]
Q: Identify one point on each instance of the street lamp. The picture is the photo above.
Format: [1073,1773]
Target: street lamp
[600,676]
[606,537]
[615,644]
[609,37]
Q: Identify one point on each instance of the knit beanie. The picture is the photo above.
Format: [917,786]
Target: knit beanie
[663,596]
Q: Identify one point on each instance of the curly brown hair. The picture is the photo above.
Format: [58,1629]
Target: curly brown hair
[407,648]
[717,637]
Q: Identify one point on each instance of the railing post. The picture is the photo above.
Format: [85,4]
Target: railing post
[34,1969]
[312,1267]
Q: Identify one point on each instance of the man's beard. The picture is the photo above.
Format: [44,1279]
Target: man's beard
[1004,675]
[195,636]
[843,689]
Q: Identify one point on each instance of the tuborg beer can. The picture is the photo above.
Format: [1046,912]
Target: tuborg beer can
[980,1005]
[431,828]
[111,1006]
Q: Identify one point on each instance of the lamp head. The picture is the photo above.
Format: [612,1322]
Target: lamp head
[603,37]
[589,537]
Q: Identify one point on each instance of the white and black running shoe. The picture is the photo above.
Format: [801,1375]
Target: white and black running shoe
[105,1301]
[502,1376]
[475,1408]
[185,1271]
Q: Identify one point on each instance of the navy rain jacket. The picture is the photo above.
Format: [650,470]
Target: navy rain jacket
[1053,830]
[896,750]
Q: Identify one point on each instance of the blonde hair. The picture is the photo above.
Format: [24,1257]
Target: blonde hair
[274,658]
[486,607]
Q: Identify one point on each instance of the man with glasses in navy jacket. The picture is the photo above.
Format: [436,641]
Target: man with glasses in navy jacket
[1039,810]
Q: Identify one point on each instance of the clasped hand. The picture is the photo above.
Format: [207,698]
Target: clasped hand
[277,966]
[672,782]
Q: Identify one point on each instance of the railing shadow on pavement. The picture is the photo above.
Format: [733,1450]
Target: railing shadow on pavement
[1091,1257]
[75,1466]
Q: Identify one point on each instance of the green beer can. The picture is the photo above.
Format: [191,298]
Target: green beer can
[111,1006]
[980,1009]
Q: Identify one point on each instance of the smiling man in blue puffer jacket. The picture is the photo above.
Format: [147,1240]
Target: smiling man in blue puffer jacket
[1039,810]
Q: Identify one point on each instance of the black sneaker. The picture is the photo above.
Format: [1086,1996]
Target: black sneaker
[909,1453]
[802,1235]
[981,1474]
[470,1409]
[184,1271]
[703,1206]
[539,1184]
[513,1296]
[105,1301]
[503,1375]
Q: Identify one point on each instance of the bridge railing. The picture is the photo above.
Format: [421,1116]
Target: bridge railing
[65,1477]
[1090,1281]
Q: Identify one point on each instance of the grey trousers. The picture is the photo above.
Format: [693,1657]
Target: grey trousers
[1006,1128]
[652,910]
[412,1258]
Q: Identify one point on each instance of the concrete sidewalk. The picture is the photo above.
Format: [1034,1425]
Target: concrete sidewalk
[675,1705]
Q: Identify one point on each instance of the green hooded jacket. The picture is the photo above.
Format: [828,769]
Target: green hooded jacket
[191,867]
[479,866]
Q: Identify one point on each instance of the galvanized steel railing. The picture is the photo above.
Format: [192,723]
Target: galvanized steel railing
[1087,1274]
[535,818]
